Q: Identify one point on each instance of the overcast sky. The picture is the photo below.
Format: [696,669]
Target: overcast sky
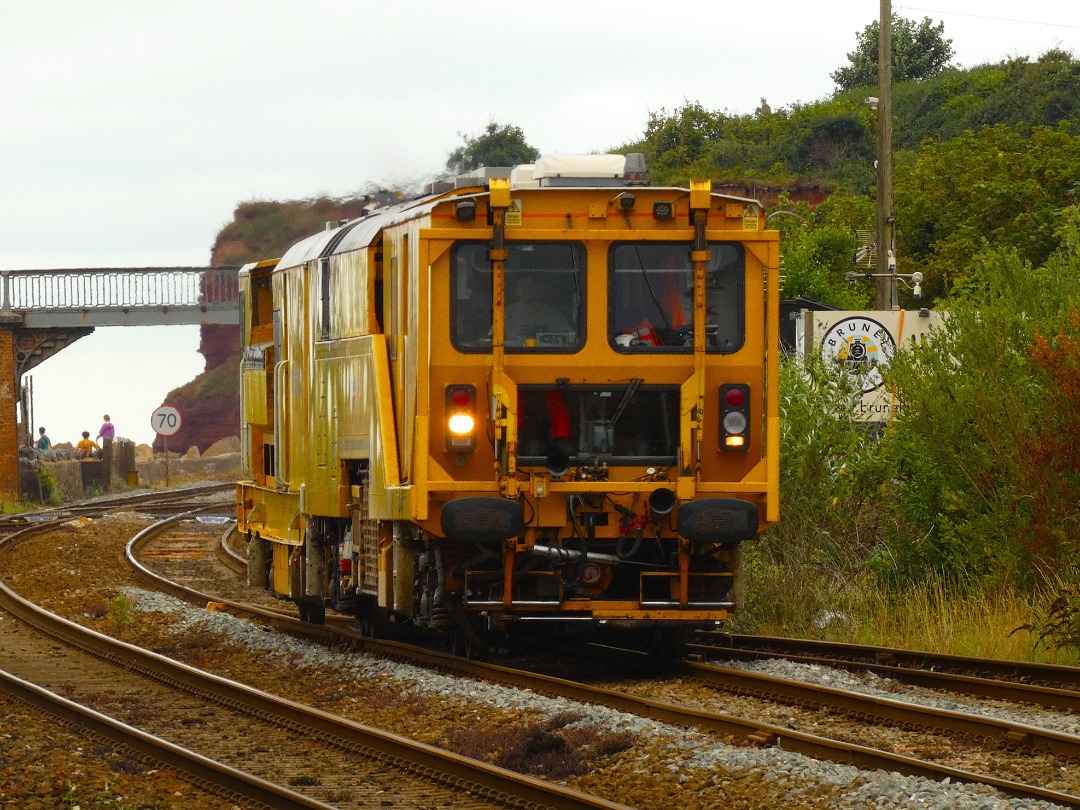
[129,131]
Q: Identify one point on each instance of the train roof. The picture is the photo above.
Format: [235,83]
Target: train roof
[551,171]
[357,233]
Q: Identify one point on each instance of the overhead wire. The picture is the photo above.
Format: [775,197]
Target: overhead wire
[984,17]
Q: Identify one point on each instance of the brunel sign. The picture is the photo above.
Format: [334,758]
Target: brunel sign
[861,344]
[861,347]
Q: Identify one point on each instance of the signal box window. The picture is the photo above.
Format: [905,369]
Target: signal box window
[651,297]
[543,301]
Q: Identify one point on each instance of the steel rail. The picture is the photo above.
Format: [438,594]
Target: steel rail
[1019,671]
[495,784]
[989,688]
[896,712]
[149,500]
[235,563]
[489,780]
[230,781]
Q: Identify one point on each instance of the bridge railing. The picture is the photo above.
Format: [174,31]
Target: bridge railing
[118,288]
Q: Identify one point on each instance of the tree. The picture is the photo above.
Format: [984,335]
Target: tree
[919,51]
[498,145]
[991,188]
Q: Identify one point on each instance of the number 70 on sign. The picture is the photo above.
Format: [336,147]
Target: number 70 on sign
[165,420]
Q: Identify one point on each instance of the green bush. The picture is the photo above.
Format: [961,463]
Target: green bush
[832,485]
[50,487]
[978,428]
[120,609]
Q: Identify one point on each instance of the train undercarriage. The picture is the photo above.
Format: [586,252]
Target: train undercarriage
[620,572]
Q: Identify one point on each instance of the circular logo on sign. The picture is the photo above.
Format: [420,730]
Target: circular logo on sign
[860,346]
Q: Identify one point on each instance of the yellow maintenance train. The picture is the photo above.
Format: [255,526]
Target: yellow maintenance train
[535,398]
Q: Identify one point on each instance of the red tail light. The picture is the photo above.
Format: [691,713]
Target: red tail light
[734,416]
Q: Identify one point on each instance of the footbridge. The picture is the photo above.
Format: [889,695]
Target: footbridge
[42,311]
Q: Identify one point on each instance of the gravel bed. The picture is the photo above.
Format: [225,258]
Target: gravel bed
[692,757]
[868,683]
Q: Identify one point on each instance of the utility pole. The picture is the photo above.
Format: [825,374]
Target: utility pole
[886,235]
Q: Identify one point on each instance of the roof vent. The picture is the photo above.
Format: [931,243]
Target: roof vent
[438,187]
[480,177]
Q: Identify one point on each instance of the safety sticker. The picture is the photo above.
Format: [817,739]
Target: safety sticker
[513,213]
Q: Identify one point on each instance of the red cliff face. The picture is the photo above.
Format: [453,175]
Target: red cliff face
[210,404]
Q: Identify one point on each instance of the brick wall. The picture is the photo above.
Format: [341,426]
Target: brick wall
[9,439]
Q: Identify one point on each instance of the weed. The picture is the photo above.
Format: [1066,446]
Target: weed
[558,747]
[1057,625]
[120,608]
[50,487]
[106,799]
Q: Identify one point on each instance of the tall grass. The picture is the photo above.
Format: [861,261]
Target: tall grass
[983,620]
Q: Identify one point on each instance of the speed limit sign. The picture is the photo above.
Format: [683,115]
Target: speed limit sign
[166,420]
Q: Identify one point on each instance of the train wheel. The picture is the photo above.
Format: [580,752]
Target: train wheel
[312,611]
[371,620]
[258,557]
[666,644]
[466,639]
[365,624]
[466,645]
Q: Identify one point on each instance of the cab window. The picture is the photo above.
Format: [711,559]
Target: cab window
[651,297]
[544,297]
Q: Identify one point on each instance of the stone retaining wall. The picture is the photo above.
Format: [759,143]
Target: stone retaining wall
[122,466]
[225,467]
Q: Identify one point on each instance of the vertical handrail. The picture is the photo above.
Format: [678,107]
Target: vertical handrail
[281,462]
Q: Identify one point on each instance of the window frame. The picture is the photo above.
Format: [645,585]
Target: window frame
[736,274]
[457,317]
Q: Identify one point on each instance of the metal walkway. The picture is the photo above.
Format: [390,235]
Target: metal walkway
[119,296]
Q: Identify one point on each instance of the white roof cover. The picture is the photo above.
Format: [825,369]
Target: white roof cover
[580,166]
[523,175]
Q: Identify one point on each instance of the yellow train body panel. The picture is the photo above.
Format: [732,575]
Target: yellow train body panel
[442,448]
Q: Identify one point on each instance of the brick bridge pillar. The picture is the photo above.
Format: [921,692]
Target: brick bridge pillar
[9,435]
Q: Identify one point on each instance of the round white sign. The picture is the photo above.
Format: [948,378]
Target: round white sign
[860,346]
[166,420]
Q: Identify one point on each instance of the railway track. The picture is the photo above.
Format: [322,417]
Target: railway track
[1030,750]
[156,502]
[307,758]
[1043,684]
